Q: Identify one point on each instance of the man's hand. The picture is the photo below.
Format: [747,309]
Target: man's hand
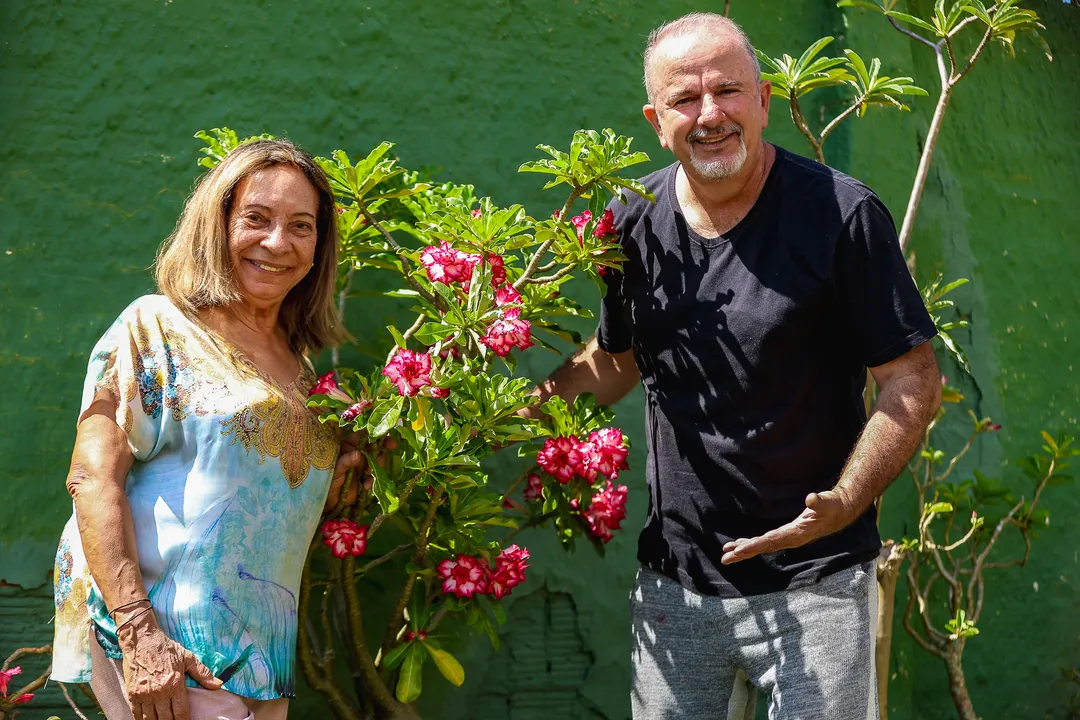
[826,512]
[155,667]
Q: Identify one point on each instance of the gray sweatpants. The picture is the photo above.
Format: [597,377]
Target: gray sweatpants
[811,650]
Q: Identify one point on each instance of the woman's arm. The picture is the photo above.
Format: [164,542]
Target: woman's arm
[154,665]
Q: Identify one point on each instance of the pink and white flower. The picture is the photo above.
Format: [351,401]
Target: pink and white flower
[344,537]
[580,221]
[353,411]
[498,269]
[605,454]
[463,576]
[562,458]
[509,571]
[328,386]
[607,510]
[409,370]
[446,265]
[605,226]
[507,295]
[508,333]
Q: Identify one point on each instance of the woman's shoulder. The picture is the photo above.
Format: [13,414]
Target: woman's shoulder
[150,310]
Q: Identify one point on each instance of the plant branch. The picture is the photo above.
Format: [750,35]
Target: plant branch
[369,675]
[400,252]
[534,262]
[840,118]
[417,324]
[800,122]
[553,277]
[535,522]
[70,701]
[926,644]
[392,626]
[383,558]
[335,352]
[381,517]
[974,56]
[910,33]
[318,682]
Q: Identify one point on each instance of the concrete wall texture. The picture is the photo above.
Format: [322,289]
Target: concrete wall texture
[98,102]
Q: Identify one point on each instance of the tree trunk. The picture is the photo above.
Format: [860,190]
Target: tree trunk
[957,686]
[889,561]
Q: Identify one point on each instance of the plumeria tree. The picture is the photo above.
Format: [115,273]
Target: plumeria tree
[423,523]
[945,573]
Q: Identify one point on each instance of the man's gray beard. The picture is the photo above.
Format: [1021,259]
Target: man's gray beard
[723,168]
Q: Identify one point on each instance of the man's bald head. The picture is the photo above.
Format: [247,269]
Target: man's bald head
[688,25]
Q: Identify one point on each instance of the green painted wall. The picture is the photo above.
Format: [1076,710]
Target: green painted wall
[97,106]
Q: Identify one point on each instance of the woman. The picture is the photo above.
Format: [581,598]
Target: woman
[198,474]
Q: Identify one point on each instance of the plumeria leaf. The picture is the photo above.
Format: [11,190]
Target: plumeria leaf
[409,686]
[448,665]
[384,415]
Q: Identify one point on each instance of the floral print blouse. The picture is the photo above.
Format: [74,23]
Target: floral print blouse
[230,475]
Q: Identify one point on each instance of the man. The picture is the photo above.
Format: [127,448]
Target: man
[758,290]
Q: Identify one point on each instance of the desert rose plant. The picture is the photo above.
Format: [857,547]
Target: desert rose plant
[483,283]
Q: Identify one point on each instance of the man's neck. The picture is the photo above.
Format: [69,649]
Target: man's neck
[715,206]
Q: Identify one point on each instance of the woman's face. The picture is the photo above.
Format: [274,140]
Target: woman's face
[272,233]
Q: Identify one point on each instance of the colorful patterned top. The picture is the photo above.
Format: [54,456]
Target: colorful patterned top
[230,475]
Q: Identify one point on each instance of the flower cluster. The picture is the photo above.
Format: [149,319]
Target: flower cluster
[602,455]
[607,510]
[466,576]
[446,265]
[344,537]
[604,228]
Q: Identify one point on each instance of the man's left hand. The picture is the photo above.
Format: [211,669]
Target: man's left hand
[826,513]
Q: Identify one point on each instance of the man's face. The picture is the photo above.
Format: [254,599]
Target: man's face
[707,106]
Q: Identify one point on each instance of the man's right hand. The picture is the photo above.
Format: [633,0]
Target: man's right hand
[155,668]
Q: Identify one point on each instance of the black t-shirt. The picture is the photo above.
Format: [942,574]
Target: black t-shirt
[753,349]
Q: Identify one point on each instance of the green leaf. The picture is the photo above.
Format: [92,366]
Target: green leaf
[408,687]
[939,507]
[912,20]
[384,415]
[448,665]
[395,656]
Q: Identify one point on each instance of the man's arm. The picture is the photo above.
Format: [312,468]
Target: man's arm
[608,376]
[910,393]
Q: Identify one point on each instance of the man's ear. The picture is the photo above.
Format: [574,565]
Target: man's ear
[654,119]
[766,97]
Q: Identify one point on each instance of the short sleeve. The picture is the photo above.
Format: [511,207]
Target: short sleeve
[881,305]
[130,365]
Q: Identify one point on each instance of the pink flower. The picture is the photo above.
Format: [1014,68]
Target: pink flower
[344,537]
[509,333]
[562,458]
[580,221]
[535,488]
[5,678]
[507,295]
[476,212]
[328,386]
[440,393]
[409,370]
[463,576]
[509,571]
[446,265]
[606,225]
[23,699]
[353,411]
[607,510]
[498,269]
[605,454]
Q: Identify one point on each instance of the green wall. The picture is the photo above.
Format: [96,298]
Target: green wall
[98,102]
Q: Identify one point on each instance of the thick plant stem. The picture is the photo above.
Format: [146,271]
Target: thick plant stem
[924,167]
[957,685]
[322,684]
[888,565]
[393,625]
[369,675]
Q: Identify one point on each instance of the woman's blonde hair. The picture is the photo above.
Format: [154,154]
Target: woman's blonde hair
[193,267]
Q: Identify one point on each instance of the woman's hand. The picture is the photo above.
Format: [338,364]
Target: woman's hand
[155,667]
[350,457]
